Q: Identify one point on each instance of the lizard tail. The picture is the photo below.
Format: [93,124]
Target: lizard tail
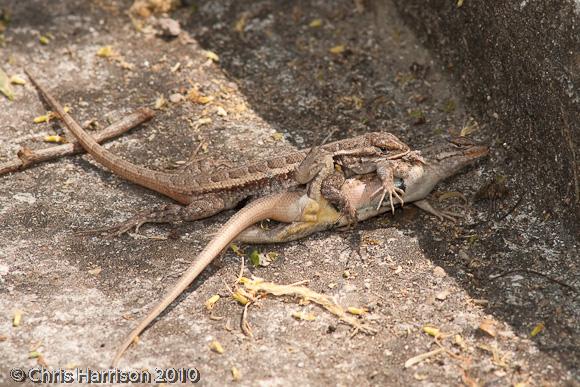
[157,181]
[283,207]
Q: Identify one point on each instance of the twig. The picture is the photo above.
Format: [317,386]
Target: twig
[27,157]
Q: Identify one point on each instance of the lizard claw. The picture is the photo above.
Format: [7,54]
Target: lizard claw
[388,187]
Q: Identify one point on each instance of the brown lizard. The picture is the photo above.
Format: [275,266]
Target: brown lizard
[209,193]
[437,163]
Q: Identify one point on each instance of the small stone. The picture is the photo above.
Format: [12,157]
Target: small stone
[442,295]
[489,327]
[176,98]
[169,27]
[439,272]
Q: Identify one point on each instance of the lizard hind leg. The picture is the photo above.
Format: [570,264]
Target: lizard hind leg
[202,207]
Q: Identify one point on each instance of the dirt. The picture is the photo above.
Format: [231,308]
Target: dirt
[302,70]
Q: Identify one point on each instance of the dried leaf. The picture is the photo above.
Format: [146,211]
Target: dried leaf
[54,139]
[537,329]
[5,87]
[17,318]
[216,347]
[44,118]
[160,102]
[472,126]
[212,56]
[255,258]
[221,111]
[241,22]
[337,49]
[17,80]
[458,340]
[315,23]
[236,374]
[210,303]
[488,327]
[432,331]
[194,96]
[105,52]
[459,3]
[236,250]
[278,136]
[356,311]
[304,316]
[239,297]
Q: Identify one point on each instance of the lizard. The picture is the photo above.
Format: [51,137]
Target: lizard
[207,194]
[437,163]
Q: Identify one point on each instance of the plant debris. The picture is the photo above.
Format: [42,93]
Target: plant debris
[258,286]
[5,87]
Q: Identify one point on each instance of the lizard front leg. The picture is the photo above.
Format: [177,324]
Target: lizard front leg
[386,170]
[201,207]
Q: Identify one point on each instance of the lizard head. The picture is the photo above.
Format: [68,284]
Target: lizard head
[441,161]
[446,159]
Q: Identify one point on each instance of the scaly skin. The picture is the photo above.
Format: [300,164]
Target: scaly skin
[438,163]
[209,193]
[311,216]
[283,207]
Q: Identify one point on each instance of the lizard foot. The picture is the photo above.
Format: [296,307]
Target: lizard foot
[389,187]
[121,228]
[441,214]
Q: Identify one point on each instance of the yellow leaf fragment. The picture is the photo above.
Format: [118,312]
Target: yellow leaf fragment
[337,49]
[210,303]
[44,40]
[17,318]
[212,56]
[216,347]
[194,96]
[160,102]
[55,139]
[17,80]
[356,311]
[304,316]
[432,331]
[44,118]
[278,136]
[315,23]
[105,52]
[5,87]
[236,374]
[241,23]
[459,3]
[472,126]
[537,329]
[239,297]
[34,354]
[458,340]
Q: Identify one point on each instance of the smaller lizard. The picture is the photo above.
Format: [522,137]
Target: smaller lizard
[439,163]
[283,207]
